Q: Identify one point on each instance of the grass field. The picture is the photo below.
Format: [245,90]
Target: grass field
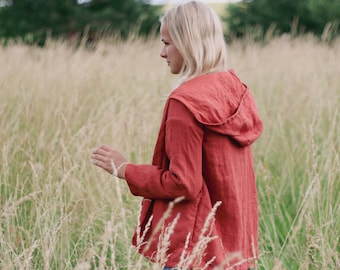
[57,211]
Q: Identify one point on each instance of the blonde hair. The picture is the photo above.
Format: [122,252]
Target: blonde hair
[197,33]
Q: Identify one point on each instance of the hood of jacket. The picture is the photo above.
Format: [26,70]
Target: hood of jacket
[223,104]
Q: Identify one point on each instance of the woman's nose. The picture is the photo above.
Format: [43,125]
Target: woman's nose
[163,53]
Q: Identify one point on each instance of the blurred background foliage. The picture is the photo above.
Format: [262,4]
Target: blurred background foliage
[35,20]
[258,17]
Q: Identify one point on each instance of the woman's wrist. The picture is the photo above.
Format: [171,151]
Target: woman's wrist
[121,169]
[118,171]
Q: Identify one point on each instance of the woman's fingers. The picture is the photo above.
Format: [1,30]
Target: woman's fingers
[102,162]
[104,156]
[101,151]
[105,147]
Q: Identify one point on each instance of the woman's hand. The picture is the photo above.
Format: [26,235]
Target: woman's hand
[107,158]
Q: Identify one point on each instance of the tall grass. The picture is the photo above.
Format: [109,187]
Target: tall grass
[57,211]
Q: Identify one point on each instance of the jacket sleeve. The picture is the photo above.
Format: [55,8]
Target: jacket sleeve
[183,146]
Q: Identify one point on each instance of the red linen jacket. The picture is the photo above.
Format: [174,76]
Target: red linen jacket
[202,155]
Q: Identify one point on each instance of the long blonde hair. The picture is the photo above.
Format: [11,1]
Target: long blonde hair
[197,33]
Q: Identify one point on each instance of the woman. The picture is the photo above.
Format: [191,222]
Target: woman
[199,207]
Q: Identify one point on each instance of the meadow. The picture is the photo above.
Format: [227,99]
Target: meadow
[58,211]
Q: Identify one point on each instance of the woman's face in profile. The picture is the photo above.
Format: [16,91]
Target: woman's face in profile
[170,52]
